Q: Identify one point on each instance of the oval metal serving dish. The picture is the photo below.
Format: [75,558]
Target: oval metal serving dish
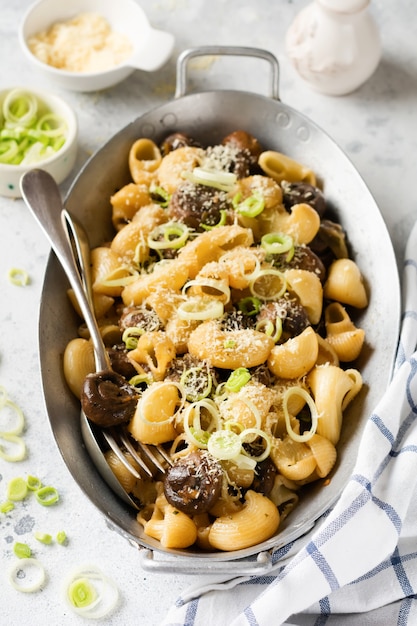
[210,116]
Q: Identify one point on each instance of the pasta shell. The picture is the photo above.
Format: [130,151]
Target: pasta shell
[345,284]
[329,386]
[152,421]
[283,495]
[324,453]
[249,348]
[326,353]
[210,246]
[296,356]
[169,277]
[302,223]
[348,345]
[179,331]
[309,291]
[337,319]
[102,304]
[127,201]
[345,338]
[78,362]
[293,459]
[268,188]
[111,334]
[240,264]
[179,530]
[125,478]
[202,521]
[357,381]
[106,265]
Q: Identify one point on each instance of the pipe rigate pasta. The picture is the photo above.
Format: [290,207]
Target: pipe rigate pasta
[78,361]
[329,386]
[171,276]
[131,240]
[144,159]
[302,223]
[173,528]
[324,453]
[307,287]
[345,284]
[345,338]
[211,245]
[256,521]
[174,164]
[106,271]
[294,459]
[153,422]
[127,201]
[281,167]
[295,357]
[119,469]
[225,308]
[229,349]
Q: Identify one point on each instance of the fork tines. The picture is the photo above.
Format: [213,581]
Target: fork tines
[150,459]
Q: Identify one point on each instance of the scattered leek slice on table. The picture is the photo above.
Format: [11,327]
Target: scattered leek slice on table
[29,131]
[27,575]
[90,593]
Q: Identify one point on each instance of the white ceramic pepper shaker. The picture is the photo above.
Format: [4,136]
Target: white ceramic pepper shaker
[334,45]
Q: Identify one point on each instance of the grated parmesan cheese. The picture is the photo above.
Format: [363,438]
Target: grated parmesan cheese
[83,44]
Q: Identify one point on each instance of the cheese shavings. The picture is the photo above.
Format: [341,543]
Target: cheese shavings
[83,44]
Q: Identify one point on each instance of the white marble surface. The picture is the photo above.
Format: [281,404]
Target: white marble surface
[375,126]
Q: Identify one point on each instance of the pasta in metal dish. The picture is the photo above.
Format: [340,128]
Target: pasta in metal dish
[232,324]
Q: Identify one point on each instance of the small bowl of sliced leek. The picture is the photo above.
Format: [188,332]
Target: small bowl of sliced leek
[37,129]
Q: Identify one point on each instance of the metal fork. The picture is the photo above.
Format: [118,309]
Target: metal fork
[155,455]
[70,244]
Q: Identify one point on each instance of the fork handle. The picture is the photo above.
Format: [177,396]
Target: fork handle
[43,198]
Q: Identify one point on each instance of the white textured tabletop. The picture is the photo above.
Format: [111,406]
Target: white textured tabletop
[375,126]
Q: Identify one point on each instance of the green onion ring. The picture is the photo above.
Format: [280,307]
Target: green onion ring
[225,181]
[90,593]
[18,277]
[238,379]
[200,309]
[249,306]
[180,231]
[222,221]
[19,444]
[257,432]
[47,496]
[278,243]
[20,421]
[274,295]
[225,445]
[251,206]
[299,391]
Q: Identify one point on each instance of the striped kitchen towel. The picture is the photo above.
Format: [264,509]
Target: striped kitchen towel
[358,565]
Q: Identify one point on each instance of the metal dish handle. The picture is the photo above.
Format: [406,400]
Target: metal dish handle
[258,567]
[187,55]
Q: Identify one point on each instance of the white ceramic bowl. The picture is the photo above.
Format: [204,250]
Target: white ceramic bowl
[151,47]
[58,165]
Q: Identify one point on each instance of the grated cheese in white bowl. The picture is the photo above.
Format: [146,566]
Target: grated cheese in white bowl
[85,43]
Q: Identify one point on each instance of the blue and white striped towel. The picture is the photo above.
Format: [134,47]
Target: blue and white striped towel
[359,563]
